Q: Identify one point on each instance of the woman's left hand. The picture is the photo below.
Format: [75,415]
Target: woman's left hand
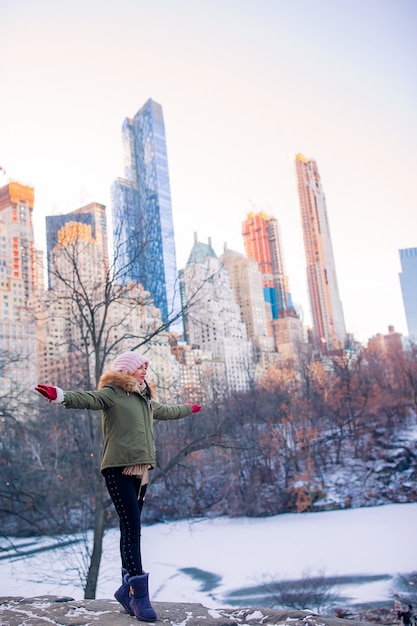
[195,407]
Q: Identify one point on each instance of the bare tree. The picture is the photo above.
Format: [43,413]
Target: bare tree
[314,592]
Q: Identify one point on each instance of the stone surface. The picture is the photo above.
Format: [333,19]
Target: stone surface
[62,611]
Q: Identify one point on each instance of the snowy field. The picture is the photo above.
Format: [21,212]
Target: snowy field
[207,560]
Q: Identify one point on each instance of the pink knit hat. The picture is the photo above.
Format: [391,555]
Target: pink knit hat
[128,362]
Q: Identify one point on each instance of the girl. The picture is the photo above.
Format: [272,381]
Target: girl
[128,410]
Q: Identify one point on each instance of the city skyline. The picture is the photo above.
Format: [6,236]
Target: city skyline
[244,88]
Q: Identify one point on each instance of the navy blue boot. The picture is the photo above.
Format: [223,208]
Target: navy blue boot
[139,598]
[122,595]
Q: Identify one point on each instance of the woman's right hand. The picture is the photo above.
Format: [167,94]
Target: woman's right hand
[53,394]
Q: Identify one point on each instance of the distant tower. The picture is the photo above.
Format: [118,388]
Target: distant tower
[408,280]
[19,281]
[92,215]
[16,208]
[142,214]
[86,256]
[262,242]
[326,307]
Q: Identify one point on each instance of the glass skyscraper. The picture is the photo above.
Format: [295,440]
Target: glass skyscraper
[143,227]
[408,280]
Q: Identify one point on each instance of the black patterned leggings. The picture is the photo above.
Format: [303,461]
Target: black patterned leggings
[124,492]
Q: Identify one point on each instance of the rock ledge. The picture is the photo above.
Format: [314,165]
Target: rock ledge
[64,611]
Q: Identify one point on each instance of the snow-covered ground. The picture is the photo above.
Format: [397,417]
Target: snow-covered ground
[223,555]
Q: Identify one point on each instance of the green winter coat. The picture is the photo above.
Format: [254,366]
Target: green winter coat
[127,419]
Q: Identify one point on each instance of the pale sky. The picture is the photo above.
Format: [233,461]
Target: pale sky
[244,85]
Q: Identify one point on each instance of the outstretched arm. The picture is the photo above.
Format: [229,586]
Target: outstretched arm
[174,411]
[95,400]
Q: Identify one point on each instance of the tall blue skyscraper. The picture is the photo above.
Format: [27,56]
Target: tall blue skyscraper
[408,280]
[142,213]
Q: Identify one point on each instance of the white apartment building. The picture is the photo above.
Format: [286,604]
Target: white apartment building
[247,283]
[213,321]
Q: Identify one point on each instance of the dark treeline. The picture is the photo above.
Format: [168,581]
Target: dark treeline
[272,450]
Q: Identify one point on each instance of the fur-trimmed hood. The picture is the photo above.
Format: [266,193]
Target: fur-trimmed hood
[119,379]
[127,383]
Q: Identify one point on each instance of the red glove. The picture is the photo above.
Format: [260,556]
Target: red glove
[195,407]
[53,394]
